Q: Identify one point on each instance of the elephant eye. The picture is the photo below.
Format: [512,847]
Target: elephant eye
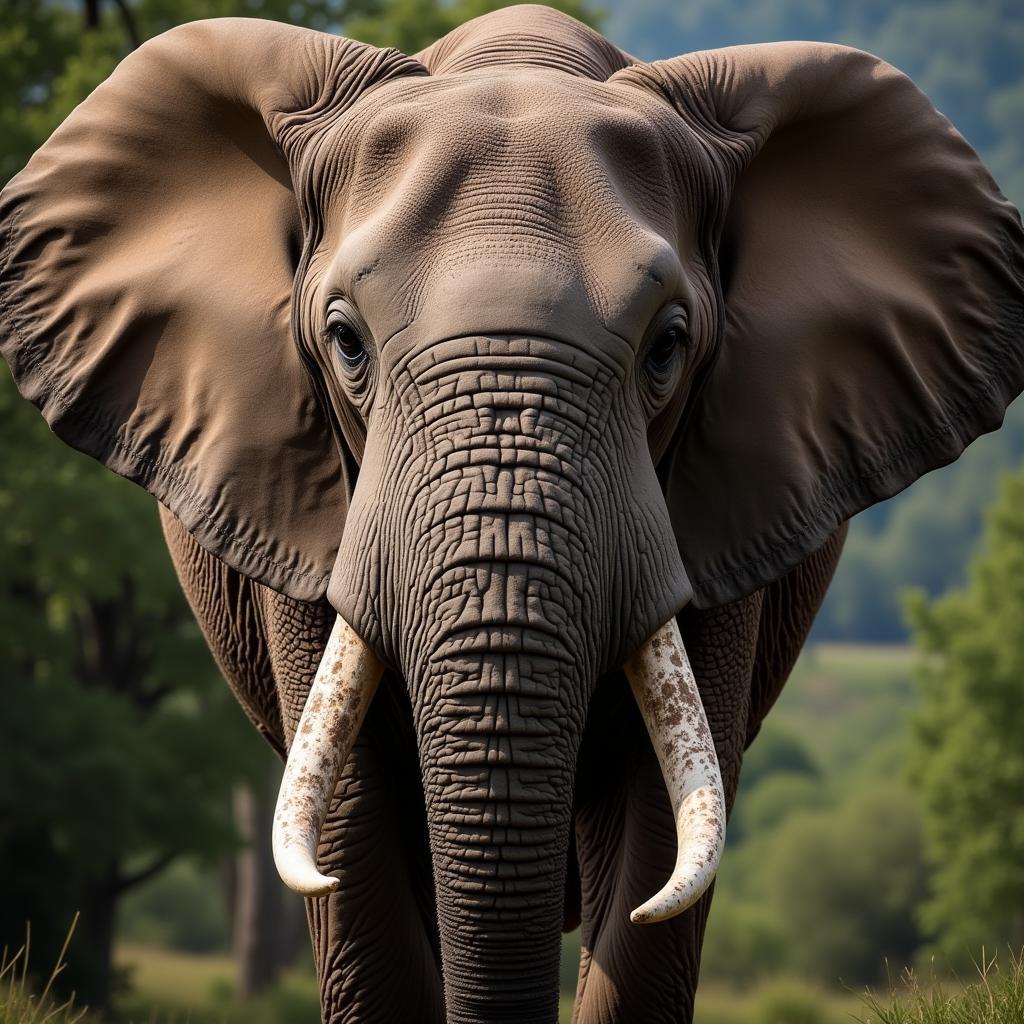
[671,339]
[347,342]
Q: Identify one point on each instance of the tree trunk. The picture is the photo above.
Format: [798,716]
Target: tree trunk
[90,969]
[267,923]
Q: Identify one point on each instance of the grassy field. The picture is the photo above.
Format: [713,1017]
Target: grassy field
[197,990]
[174,987]
[179,988]
[167,978]
[842,699]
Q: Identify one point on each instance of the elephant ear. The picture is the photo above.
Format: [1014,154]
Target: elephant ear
[873,302]
[147,258]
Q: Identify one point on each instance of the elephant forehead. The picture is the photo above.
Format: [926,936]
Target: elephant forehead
[528,176]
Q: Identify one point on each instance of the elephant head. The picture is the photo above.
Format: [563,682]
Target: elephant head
[510,351]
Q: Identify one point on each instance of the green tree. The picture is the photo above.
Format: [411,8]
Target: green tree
[779,774]
[968,754]
[775,798]
[776,749]
[826,889]
[120,745]
[846,882]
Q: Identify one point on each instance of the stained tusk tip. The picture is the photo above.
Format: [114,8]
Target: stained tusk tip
[314,885]
[326,887]
[650,915]
[337,702]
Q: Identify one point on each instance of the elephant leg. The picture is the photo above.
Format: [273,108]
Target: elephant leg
[375,941]
[626,837]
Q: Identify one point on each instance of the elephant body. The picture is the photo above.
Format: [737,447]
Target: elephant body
[375,942]
[551,377]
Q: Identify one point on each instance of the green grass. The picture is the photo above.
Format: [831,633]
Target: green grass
[996,997]
[172,988]
[774,1001]
[180,980]
[180,988]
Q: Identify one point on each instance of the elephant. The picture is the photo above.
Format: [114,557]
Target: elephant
[505,405]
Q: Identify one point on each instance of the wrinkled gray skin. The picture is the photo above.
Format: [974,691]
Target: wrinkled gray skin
[376,941]
[507,547]
[519,349]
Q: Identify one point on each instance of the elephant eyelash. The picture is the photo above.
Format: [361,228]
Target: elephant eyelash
[347,342]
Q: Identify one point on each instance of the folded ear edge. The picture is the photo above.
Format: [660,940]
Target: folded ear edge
[83,428]
[959,355]
[73,297]
[937,445]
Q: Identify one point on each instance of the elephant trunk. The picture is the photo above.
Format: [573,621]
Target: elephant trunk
[527,551]
[498,755]
[499,738]
[663,684]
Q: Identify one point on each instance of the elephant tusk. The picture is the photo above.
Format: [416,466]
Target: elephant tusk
[662,681]
[335,708]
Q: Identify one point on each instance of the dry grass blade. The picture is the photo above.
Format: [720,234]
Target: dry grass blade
[996,997]
[19,1004]
[60,965]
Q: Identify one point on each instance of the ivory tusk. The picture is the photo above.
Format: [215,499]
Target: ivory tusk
[665,689]
[335,708]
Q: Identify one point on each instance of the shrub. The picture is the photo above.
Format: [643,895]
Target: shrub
[789,1002]
[183,909]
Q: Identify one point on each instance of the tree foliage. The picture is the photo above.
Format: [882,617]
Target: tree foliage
[120,745]
[826,888]
[968,754]
[824,869]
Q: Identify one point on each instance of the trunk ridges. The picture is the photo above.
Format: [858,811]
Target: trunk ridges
[498,794]
[501,587]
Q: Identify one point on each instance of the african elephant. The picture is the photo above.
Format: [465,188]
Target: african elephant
[486,392]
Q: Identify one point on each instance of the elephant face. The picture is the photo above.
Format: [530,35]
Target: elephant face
[496,306]
[510,352]
[497,310]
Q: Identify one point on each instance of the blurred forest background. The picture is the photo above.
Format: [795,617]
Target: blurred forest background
[881,815]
